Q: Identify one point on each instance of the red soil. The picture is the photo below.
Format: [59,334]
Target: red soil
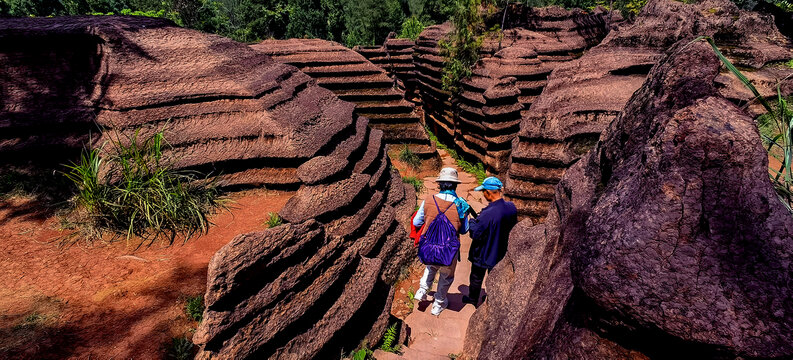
[106,300]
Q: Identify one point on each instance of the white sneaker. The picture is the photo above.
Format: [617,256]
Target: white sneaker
[437,308]
[420,295]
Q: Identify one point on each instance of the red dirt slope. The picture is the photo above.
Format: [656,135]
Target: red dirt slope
[105,301]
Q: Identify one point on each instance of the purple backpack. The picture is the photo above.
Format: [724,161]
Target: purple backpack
[440,243]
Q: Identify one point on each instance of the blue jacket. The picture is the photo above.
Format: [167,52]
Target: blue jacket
[490,233]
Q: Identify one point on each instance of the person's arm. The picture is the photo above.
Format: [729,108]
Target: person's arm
[464,226]
[479,226]
[418,220]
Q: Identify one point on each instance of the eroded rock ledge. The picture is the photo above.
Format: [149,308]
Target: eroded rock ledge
[353,78]
[484,119]
[667,240]
[583,96]
[306,289]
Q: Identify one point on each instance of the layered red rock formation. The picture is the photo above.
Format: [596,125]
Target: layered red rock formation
[534,42]
[665,241]
[310,288]
[353,78]
[395,56]
[584,96]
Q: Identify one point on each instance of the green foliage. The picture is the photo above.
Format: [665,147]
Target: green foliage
[390,339]
[776,130]
[362,353]
[785,5]
[417,183]
[194,307]
[461,50]
[368,22]
[410,158]
[132,190]
[789,64]
[411,28]
[181,348]
[478,169]
[629,8]
[273,220]
[354,22]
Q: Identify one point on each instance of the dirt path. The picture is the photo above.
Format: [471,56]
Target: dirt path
[434,337]
[106,301]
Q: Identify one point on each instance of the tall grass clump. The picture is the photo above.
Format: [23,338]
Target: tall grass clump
[776,127]
[273,220]
[410,158]
[181,348]
[131,190]
[417,183]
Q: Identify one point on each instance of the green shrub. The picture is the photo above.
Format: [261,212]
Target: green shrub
[411,28]
[273,220]
[362,353]
[181,348]
[132,190]
[410,158]
[390,339]
[194,307]
[478,169]
[417,183]
[461,49]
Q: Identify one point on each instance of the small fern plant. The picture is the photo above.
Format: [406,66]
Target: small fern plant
[390,340]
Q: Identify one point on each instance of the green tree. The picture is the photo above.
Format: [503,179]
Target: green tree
[368,22]
[306,19]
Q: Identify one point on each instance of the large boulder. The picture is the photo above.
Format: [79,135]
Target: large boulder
[310,288]
[667,240]
[583,96]
[532,44]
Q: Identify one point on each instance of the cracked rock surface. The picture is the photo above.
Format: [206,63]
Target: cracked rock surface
[667,240]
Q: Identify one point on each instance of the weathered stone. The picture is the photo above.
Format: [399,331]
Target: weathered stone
[310,288]
[667,240]
[534,42]
[583,96]
[353,78]
[395,56]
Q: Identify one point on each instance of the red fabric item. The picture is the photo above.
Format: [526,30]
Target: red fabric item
[415,233]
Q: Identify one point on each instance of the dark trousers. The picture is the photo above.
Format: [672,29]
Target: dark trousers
[475,281]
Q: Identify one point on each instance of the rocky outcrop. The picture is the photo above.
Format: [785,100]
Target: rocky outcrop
[534,42]
[353,78]
[583,96]
[307,289]
[666,240]
[395,56]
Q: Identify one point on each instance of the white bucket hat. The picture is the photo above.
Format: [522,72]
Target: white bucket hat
[448,175]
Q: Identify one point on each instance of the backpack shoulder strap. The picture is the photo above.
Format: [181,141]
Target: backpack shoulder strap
[434,198]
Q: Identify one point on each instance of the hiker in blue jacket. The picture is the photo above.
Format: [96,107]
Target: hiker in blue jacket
[489,235]
[456,210]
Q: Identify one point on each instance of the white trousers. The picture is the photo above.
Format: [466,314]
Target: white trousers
[445,279]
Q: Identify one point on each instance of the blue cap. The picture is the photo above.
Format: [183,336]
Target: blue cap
[491,183]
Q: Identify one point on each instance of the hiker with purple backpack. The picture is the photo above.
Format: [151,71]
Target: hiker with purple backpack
[446,217]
